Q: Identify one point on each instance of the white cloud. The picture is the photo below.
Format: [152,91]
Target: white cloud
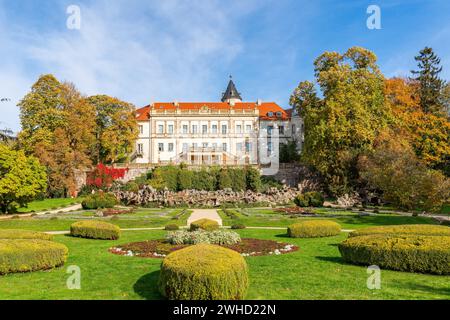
[138,52]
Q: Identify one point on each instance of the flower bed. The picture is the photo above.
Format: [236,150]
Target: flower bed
[114,212]
[295,210]
[161,248]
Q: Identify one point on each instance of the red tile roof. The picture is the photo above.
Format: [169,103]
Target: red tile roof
[267,110]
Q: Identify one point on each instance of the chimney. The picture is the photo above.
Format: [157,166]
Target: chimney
[258,102]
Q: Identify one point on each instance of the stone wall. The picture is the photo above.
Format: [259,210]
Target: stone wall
[149,195]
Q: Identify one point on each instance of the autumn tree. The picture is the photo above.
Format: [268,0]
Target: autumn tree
[429,134]
[116,129]
[346,120]
[22,179]
[393,168]
[431,85]
[58,127]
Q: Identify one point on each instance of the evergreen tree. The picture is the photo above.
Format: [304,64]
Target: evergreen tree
[431,86]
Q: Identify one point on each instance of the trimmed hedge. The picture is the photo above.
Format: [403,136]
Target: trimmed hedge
[99,200]
[407,229]
[413,253]
[24,234]
[95,230]
[204,272]
[204,224]
[313,229]
[238,226]
[24,255]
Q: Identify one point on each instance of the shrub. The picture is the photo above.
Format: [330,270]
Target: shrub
[301,201]
[220,237]
[204,272]
[185,178]
[24,255]
[315,199]
[253,178]
[408,229]
[309,199]
[237,226]
[95,230]
[204,180]
[224,180]
[205,224]
[414,253]
[23,234]
[238,178]
[171,227]
[313,229]
[99,200]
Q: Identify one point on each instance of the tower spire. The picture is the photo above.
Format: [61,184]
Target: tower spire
[231,94]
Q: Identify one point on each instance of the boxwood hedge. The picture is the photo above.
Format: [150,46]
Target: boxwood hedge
[95,230]
[313,229]
[409,229]
[24,255]
[413,253]
[23,234]
[204,272]
[204,224]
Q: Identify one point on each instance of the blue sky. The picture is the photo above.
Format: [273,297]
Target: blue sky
[145,51]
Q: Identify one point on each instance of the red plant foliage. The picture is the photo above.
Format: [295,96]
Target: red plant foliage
[103,176]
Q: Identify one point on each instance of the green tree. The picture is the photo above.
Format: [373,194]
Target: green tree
[116,129]
[345,122]
[431,86]
[185,177]
[289,152]
[253,177]
[224,180]
[22,179]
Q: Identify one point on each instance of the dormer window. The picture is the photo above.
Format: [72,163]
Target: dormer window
[270,114]
[279,114]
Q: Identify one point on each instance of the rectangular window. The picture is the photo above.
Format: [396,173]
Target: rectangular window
[204,129]
[194,145]
[224,129]
[269,147]
[205,145]
[281,129]
[170,128]
[140,148]
[194,129]
[185,147]
[248,147]
[214,128]
[160,147]
[185,128]
[238,146]
[160,128]
[293,129]
[248,128]
[214,145]
[269,130]
[238,128]
[170,147]
[224,146]
[141,129]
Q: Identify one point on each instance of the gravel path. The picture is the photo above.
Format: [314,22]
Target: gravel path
[198,214]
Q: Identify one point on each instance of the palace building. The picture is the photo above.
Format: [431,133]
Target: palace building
[229,132]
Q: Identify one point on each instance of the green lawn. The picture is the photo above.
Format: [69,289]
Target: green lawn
[316,271]
[49,204]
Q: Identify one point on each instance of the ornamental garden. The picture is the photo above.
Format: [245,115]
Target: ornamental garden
[374,194]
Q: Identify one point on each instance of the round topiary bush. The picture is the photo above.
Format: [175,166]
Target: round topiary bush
[309,199]
[204,272]
[238,226]
[99,200]
[24,255]
[95,230]
[23,234]
[204,224]
[313,229]
[414,253]
[407,229]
